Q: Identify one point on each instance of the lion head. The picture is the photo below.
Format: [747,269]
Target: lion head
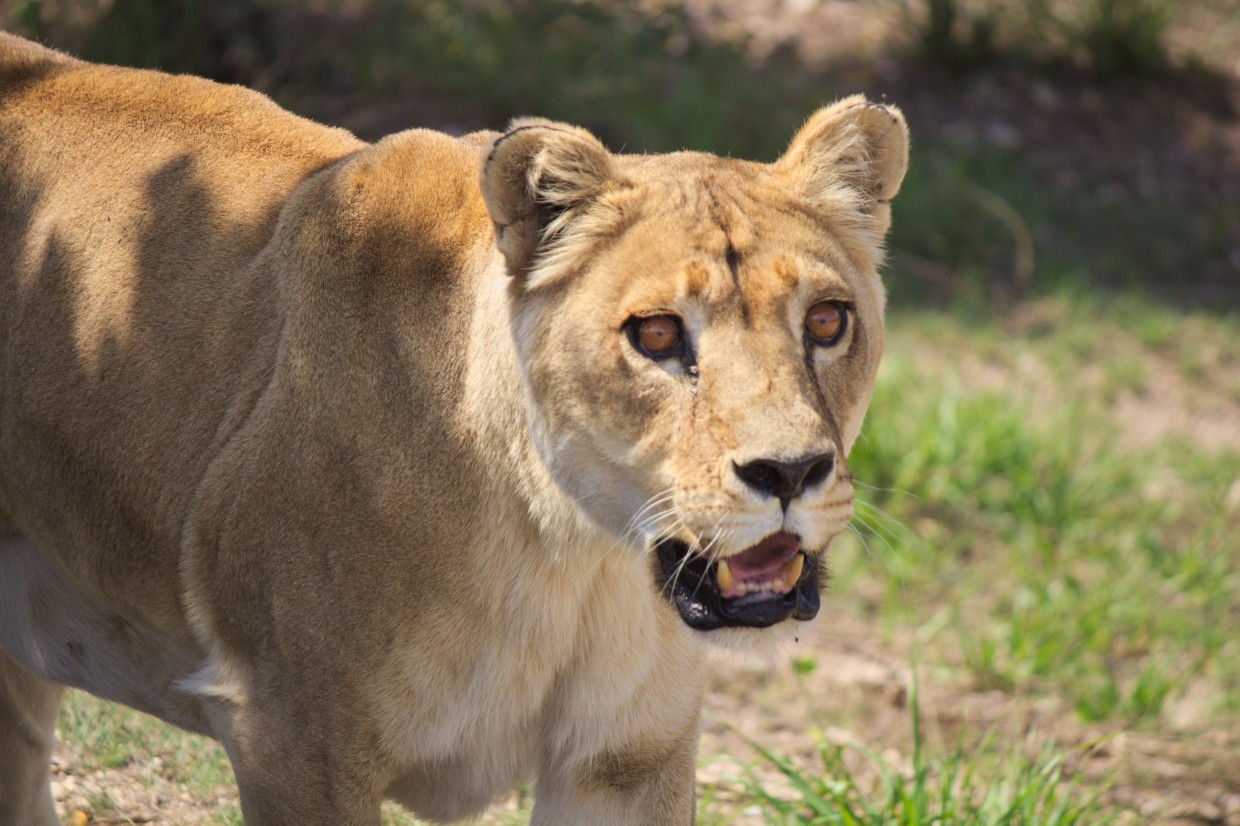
[698,338]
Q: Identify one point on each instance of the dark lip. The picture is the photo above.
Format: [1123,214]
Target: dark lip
[695,592]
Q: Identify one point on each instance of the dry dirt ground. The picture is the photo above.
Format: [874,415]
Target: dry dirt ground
[864,682]
[857,694]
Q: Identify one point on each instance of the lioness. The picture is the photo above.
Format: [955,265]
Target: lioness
[409,470]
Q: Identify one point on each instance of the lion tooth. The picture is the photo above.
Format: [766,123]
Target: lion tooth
[792,571]
[724,574]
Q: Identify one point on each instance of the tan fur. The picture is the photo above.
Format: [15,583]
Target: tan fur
[339,452]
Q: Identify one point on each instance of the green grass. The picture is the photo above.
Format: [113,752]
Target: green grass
[109,737]
[105,736]
[852,785]
[1069,558]
[946,790]
[953,788]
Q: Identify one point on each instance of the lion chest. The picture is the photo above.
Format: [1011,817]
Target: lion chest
[563,679]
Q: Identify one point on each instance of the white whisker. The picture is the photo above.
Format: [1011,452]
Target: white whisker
[707,551]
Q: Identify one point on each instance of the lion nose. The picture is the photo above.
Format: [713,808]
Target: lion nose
[786,480]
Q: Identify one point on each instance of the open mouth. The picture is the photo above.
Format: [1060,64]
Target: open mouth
[764,584]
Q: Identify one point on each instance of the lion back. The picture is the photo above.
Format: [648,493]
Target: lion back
[134,209]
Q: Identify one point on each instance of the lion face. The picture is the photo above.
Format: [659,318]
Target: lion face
[699,339]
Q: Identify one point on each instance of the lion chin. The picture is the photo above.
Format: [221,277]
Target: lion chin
[418,469]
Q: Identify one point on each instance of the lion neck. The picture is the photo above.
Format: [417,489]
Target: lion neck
[495,406]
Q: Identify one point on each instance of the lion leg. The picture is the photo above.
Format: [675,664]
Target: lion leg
[627,788]
[293,793]
[28,708]
[289,776]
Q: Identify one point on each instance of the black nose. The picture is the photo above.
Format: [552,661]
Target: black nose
[786,480]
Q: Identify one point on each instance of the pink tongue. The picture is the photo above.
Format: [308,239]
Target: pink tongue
[766,559]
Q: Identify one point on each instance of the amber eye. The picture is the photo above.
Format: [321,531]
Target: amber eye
[657,335]
[825,322]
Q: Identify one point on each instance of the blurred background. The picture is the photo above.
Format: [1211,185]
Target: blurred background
[1087,140]
[1037,617]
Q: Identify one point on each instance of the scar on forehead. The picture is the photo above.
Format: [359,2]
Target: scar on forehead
[694,279]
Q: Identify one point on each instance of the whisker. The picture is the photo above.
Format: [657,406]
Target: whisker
[684,560]
[880,489]
[708,550]
[671,530]
[641,520]
[640,516]
[878,523]
[650,523]
[873,515]
[674,579]
[855,531]
[878,531]
[657,499]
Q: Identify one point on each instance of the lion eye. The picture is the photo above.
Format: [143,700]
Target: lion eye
[825,322]
[657,336]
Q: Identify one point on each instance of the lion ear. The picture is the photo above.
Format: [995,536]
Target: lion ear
[536,177]
[853,153]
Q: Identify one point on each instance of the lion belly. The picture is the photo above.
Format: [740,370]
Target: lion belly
[63,635]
